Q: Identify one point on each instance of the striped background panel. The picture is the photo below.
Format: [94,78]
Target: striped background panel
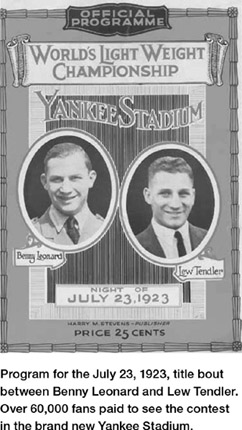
[113,260]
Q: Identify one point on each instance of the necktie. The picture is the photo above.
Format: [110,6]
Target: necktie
[72,229]
[180,244]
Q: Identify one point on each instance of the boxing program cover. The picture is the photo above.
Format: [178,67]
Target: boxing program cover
[120,178]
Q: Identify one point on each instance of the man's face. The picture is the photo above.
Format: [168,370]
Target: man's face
[171,196]
[67,181]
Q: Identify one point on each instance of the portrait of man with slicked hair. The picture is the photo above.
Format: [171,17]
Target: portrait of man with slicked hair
[171,195]
[68,176]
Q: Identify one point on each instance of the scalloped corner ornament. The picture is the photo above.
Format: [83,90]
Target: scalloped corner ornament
[217,52]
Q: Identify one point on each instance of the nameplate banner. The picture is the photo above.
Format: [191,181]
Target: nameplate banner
[124,19]
[80,63]
[129,296]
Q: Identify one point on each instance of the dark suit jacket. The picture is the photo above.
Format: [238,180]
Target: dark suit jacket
[149,241]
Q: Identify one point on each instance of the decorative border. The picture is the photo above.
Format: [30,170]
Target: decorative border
[236,345]
[234,173]
[174,13]
[3,184]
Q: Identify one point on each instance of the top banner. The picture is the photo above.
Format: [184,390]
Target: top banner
[117,63]
[122,19]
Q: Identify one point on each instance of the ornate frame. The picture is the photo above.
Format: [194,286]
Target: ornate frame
[236,344]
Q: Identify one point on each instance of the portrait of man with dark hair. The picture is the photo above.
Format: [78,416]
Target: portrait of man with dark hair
[171,195]
[68,176]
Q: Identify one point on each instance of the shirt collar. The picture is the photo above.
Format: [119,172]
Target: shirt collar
[59,219]
[168,233]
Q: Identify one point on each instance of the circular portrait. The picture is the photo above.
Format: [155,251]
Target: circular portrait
[68,190]
[169,203]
